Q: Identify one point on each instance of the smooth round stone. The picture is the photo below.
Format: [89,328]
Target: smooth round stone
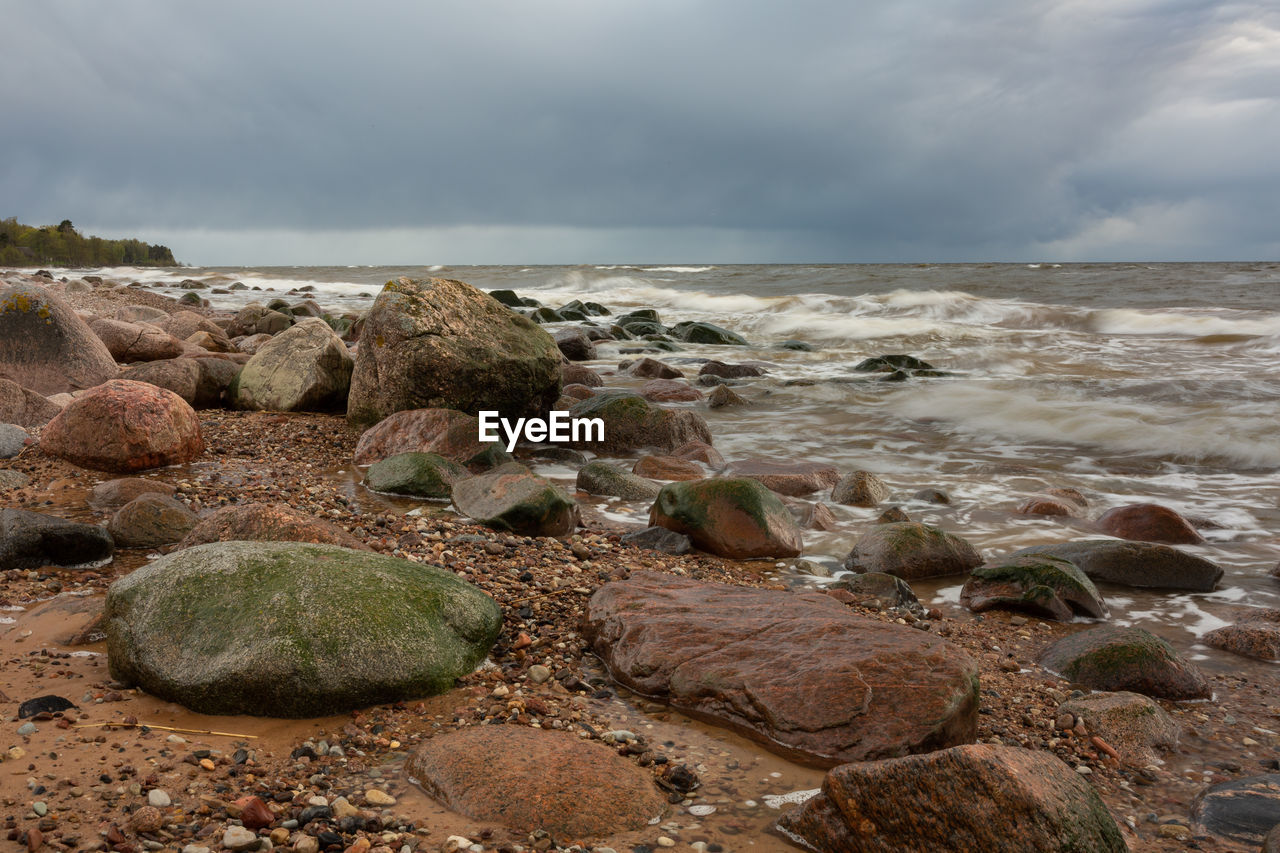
[238,838]
[40,808]
[159,798]
[27,729]
[539,674]
[12,439]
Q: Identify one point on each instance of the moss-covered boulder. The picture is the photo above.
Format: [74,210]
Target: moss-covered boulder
[1133,725]
[1114,658]
[439,343]
[511,497]
[283,629]
[305,368]
[631,422]
[601,478]
[911,550]
[731,517]
[1045,586]
[424,475]
[706,333]
[1140,564]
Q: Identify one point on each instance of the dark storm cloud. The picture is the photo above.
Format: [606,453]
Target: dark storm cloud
[831,131]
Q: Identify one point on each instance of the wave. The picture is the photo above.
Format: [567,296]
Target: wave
[1129,321]
[1242,436]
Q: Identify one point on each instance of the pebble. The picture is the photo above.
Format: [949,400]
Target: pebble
[159,799]
[307,844]
[239,838]
[195,848]
[27,729]
[701,810]
[206,763]
[664,841]
[40,808]
[538,674]
[176,739]
[342,808]
[379,798]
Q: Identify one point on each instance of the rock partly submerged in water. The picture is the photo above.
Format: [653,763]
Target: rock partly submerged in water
[601,478]
[632,423]
[736,518]
[1149,523]
[799,672]
[285,629]
[513,498]
[29,540]
[1113,658]
[1034,583]
[1243,810]
[1254,634]
[912,551]
[1028,800]
[149,520]
[786,477]
[1138,564]
[424,475]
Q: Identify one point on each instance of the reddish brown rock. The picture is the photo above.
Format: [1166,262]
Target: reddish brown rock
[24,407]
[577,374]
[129,342]
[114,494]
[124,426]
[254,813]
[669,391]
[735,518]
[150,520]
[1148,523]
[1045,505]
[860,488]
[651,368]
[575,392]
[786,478]
[799,672]
[184,324]
[1255,634]
[723,396]
[527,779]
[700,451]
[817,516]
[450,433]
[210,342]
[668,468]
[267,523]
[980,797]
[730,371]
[45,346]
[1115,658]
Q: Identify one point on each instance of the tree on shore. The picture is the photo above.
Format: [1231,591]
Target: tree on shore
[63,246]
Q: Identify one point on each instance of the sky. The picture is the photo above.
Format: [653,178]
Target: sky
[601,131]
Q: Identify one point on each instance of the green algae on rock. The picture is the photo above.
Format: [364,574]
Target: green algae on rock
[1109,657]
[736,518]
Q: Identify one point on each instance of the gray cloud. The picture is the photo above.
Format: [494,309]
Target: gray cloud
[912,130]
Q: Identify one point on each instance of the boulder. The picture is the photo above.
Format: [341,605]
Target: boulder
[29,540]
[304,369]
[184,324]
[815,516]
[1133,725]
[135,341]
[250,344]
[513,498]
[258,319]
[574,344]
[659,539]
[1242,810]
[700,451]
[1255,634]
[24,407]
[114,494]
[912,551]
[860,488]
[1139,564]
[786,478]
[528,779]
[1114,658]
[45,346]
[201,382]
[203,343]
[632,423]
[13,440]
[443,344]
[149,520]
[285,629]
[424,475]
[980,797]
[730,371]
[668,468]
[801,673]
[1068,503]
[735,518]
[1148,523]
[13,480]
[577,374]
[267,523]
[706,333]
[889,590]
[669,391]
[140,314]
[1044,586]
[447,432]
[574,393]
[123,426]
[651,368]
[601,478]
[724,396]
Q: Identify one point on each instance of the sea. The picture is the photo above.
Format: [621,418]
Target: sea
[1133,383]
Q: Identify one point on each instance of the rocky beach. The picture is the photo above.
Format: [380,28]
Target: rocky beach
[265,587]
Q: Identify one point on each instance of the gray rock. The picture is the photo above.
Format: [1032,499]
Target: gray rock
[1034,583]
[30,539]
[287,629]
[305,368]
[149,520]
[513,498]
[724,396]
[239,839]
[158,798]
[1139,564]
[426,475]
[860,488]
[13,439]
[1109,657]
[13,480]
[45,346]
[1243,810]
[890,590]
[912,551]
[601,478]
[24,407]
[659,539]
[1134,725]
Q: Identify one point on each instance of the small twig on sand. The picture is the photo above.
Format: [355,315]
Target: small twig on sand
[162,728]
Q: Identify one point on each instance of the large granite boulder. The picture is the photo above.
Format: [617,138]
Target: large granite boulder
[912,551]
[1140,564]
[528,779]
[800,673]
[135,341]
[1149,523]
[439,343]
[267,523]
[794,479]
[284,629]
[29,540]
[45,346]
[305,368]
[201,382]
[123,427]
[24,407]
[631,423]
[735,518]
[980,797]
[1044,586]
[1113,658]
[513,498]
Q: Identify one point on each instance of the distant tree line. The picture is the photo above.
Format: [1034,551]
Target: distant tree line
[63,246]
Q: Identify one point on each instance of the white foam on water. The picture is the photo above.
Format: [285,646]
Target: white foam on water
[1131,321]
[792,798]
